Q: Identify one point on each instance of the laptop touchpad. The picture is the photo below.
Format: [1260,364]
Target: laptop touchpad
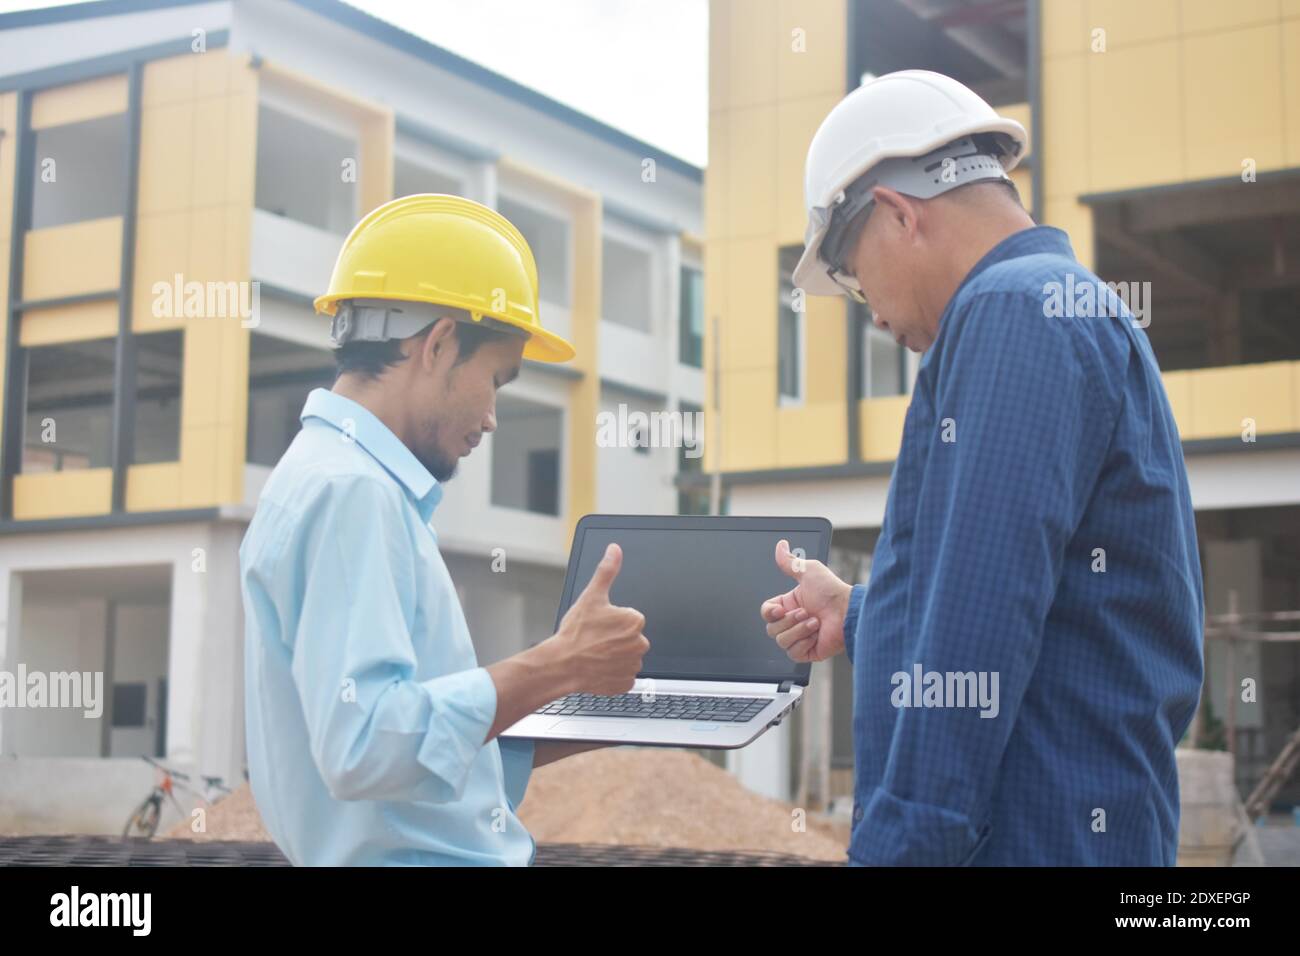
[590,728]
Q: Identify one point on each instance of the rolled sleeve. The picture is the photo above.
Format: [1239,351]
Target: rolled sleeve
[377,733]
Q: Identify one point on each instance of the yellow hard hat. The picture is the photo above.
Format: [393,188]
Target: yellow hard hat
[443,251]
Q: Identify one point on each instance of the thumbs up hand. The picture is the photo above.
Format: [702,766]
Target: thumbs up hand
[808,620]
[601,644]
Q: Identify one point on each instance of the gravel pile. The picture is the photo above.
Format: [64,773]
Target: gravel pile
[621,795]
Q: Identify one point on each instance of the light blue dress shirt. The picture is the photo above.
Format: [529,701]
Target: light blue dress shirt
[366,709]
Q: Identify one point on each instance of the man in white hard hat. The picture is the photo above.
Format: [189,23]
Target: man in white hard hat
[372,728]
[1028,651]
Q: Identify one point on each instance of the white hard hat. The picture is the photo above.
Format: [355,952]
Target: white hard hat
[919,133]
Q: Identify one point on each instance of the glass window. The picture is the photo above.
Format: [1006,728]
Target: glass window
[625,285]
[158,359]
[548,237]
[280,376]
[526,456]
[79,171]
[789,327]
[301,171]
[691,317]
[882,363]
[695,500]
[68,418]
[410,177]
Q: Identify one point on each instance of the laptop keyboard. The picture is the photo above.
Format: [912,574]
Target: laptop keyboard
[736,710]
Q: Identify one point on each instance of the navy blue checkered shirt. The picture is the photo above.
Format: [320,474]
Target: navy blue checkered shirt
[1028,652]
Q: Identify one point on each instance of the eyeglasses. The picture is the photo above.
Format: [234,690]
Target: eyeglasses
[842,239]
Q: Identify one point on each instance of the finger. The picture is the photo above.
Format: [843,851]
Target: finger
[606,572]
[774,609]
[793,619]
[801,631]
[803,651]
[789,565]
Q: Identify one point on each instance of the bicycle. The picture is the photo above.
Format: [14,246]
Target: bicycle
[143,822]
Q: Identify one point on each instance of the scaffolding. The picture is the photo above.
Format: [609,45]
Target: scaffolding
[1233,628]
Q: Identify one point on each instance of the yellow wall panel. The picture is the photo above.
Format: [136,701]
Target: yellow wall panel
[198,464]
[4,312]
[9,124]
[1291,9]
[750,172]
[1135,117]
[171,80]
[69,323]
[1178,387]
[748,423]
[166,158]
[162,242]
[1065,28]
[812,61]
[1223,397]
[796,122]
[717,221]
[74,259]
[1065,132]
[1232,100]
[811,435]
[212,71]
[63,494]
[1076,219]
[826,347]
[719,55]
[754,38]
[79,101]
[748,326]
[1291,90]
[153,487]
[1295,394]
[880,424]
[1127,23]
[1218,15]
[210,137]
[202,375]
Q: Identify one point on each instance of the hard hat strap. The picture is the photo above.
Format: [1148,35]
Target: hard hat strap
[379,320]
[958,163]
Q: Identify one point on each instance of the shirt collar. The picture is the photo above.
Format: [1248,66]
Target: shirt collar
[361,425]
[1026,242]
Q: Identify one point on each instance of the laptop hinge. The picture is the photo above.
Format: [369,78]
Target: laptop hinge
[785,687]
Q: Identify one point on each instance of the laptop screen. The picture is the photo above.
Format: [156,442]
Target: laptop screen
[700,583]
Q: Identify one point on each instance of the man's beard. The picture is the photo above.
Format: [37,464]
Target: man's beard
[440,466]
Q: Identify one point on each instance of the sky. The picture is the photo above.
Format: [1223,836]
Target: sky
[640,66]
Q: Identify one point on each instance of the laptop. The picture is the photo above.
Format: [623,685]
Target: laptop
[712,678]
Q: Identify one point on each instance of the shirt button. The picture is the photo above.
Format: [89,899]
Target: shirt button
[857,813]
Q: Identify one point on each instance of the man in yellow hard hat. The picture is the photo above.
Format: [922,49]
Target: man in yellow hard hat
[371,729]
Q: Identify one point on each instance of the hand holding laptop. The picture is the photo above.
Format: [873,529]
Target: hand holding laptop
[807,621]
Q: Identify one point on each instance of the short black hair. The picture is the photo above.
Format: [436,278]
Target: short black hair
[369,360]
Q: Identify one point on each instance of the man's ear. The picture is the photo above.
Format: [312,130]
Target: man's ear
[434,346]
[900,211]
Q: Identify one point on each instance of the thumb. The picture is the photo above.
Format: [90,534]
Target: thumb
[788,563]
[606,572]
